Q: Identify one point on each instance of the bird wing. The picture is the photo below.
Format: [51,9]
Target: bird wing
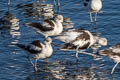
[32,48]
[105,52]
[42,27]
[116,48]
[83,40]
[68,36]
[111,51]
[68,46]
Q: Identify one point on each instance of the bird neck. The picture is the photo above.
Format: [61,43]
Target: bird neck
[59,27]
[92,40]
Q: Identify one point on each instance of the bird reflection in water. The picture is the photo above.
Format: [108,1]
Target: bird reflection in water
[64,70]
[67,23]
[11,23]
[9,27]
[100,42]
[37,10]
[44,72]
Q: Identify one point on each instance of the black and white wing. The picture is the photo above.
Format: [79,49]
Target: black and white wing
[68,36]
[34,48]
[114,50]
[83,40]
[47,25]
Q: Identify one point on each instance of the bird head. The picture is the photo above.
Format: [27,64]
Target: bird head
[59,18]
[48,40]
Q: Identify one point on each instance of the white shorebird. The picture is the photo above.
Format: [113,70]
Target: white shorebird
[38,50]
[93,6]
[113,53]
[48,27]
[78,40]
[99,42]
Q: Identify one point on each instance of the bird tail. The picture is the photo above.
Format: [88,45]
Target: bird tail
[104,52]
[33,24]
[22,46]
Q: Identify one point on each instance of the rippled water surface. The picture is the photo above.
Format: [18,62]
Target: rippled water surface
[61,65]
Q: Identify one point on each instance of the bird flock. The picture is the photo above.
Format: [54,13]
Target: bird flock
[77,40]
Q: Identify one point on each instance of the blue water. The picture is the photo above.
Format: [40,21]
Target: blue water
[61,66]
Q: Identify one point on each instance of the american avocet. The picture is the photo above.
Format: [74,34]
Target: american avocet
[82,39]
[93,6]
[113,53]
[38,50]
[77,39]
[49,27]
[98,43]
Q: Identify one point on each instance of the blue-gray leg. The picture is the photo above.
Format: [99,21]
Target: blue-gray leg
[54,3]
[77,54]
[114,67]
[58,6]
[35,67]
[91,20]
[30,61]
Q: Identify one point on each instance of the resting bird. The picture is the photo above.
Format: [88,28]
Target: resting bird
[77,39]
[113,53]
[38,50]
[48,27]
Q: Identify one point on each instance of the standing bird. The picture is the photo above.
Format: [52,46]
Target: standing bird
[38,50]
[48,27]
[113,53]
[93,6]
[77,39]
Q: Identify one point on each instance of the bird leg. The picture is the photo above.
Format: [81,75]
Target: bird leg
[77,54]
[114,67]
[33,64]
[54,3]
[30,61]
[35,67]
[58,3]
[91,20]
[90,54]
[95,16]
[95,21]
[8,5]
